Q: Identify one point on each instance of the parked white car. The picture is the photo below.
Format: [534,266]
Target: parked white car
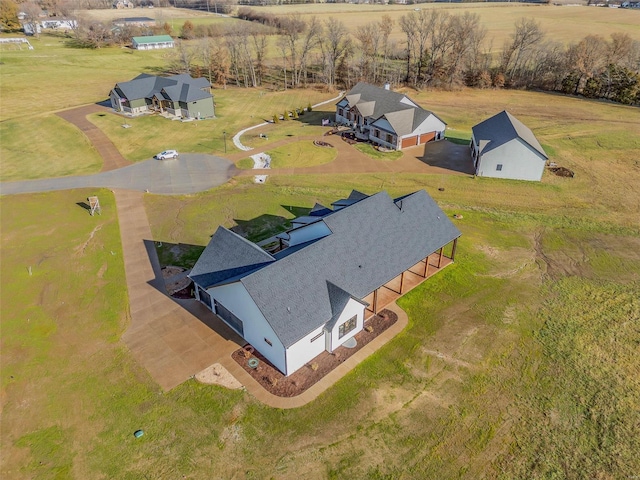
[167,154]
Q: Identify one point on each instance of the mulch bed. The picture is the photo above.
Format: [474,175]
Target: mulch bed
[320,143]
[562,172]
[276,383]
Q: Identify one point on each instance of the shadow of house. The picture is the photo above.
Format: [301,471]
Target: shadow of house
[447,155]
[265,226]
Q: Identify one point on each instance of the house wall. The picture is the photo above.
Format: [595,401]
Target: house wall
[518,160]
[431,124]
[235,298]
[201,108]
[352,308]
[305,350]
[308,233]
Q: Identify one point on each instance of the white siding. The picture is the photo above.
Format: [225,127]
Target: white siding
[308,233]
[352,308]
[518,160]
[235,298]
[406,101]
[305,350]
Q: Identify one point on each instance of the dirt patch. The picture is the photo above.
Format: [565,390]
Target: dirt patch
[176,280]
[276,383]
[216,374]
[562,172]
[320,143]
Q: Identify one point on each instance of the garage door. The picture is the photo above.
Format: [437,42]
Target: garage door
[233,321]
[427,137]
[409,142]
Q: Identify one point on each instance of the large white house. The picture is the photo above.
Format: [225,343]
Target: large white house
[503,147]
[315,293]
[386,118]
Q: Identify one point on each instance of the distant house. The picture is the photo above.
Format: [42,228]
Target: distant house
[152,42]
[178,95]
[503,147]
[120,4]
[337,267]
[389,119]
[60,24]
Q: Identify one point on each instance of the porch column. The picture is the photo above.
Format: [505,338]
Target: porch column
[426,266]
[453,249]
[375,301]
[401,282]
[440,257]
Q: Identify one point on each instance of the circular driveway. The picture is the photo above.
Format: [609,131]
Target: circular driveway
[190,173]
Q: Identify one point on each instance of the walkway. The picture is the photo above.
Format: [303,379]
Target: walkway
[111,157]
[190,173]
[172,340]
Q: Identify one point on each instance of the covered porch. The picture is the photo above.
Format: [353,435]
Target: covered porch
[409,279]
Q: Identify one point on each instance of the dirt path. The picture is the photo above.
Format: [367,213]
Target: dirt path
[110,155]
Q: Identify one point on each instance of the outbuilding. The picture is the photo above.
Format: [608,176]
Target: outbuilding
[503,147]
[152,42]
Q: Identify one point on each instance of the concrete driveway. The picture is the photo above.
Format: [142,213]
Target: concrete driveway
[444,155]
[190,173]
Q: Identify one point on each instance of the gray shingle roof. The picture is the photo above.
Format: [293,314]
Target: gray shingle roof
[373,241]
[403,114]
[227,256]
[502,128]
[181,88]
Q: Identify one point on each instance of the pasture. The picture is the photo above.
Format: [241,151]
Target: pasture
[521,355]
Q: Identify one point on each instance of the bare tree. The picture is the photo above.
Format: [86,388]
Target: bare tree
[386,27]
[517,51]
[336,45]
[310,42]
[32,12]
[587,58]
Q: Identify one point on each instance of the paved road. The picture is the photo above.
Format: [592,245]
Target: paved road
[191,173]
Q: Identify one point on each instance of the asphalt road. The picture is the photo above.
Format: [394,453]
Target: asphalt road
[190,173]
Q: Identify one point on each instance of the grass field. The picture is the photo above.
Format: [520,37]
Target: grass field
[497,373]
[519,361]
[298,154]
[375,154]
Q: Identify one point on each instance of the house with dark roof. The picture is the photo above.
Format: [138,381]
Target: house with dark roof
[177,95]
[335,268]
[386,118]
[152,42]
[503,147]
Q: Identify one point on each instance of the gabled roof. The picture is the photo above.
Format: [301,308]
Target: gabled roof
[372,242]
[227,256]
[502,128]
[181,88]
[403,114]
[152,39]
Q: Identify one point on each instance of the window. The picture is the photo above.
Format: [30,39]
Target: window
[499,167]
[389,138]
[268,342]
[341,112]
[347,326]
[317,336]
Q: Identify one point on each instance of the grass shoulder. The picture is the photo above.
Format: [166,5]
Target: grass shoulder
[371,152]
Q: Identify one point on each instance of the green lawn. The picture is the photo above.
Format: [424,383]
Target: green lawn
[295,155]
[525,382]
[45,146]
[367,149]
[54,76]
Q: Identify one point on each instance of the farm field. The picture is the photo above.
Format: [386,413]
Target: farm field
[518,357]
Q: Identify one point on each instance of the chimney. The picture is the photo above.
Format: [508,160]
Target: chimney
[387,86]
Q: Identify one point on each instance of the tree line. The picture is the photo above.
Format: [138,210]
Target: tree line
[438,49]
